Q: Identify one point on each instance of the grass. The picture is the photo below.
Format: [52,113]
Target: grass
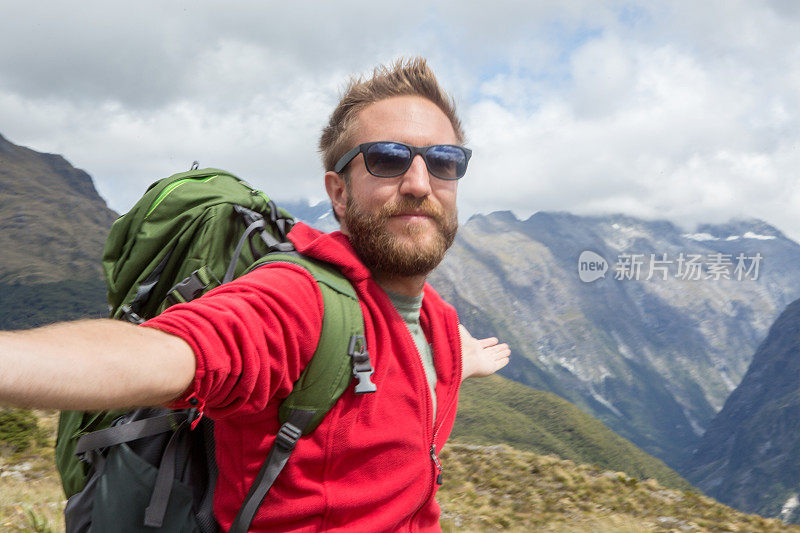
[486,488]
[31,498]
[496,487]
[45,303]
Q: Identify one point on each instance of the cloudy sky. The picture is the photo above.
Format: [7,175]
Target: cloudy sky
[682,110]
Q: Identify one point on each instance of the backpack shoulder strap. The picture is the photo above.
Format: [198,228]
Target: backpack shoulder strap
[340,354]
[341,351]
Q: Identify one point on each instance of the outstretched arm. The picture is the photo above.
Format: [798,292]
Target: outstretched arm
[481,357]
[93,364]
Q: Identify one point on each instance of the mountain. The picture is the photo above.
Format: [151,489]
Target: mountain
[750,456]
[654,359]
[496,410]
[318,215]
[53,224]
[38,304]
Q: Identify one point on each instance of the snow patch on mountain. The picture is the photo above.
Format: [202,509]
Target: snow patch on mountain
[604,402]
[751,235]
[701,237]
[789,507]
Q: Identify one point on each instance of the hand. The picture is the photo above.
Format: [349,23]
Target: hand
[481,357]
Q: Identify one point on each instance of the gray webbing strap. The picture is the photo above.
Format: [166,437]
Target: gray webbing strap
[253,227]
[130,312]
[114,435]
[279,454]
[157,508]
[146,427]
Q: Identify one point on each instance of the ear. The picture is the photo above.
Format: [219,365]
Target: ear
[337,192]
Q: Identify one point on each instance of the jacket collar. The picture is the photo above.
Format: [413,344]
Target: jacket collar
[334,248]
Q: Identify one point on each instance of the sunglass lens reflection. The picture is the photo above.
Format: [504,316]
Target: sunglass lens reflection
[446,162]
[387,159]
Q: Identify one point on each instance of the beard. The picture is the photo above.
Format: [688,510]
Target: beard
[415,251]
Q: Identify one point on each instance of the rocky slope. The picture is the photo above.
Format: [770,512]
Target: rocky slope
[52,221]
[53,225]
[749,457]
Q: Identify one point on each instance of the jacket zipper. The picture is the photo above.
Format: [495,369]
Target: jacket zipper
[434,457]
[432,421]
[445,412]
[439,476]
[430,418]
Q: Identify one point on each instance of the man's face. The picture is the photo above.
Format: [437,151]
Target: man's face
[401,226]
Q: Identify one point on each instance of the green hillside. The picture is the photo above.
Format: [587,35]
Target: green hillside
[497,410]
[44,303]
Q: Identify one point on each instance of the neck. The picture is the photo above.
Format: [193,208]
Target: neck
[405,285]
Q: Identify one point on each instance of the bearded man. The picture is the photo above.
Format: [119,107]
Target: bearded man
[393,154]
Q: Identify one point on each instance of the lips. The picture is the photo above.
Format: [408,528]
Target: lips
[414,218]
[415,214]
[415,211]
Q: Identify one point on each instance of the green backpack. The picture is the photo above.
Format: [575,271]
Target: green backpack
[154,469]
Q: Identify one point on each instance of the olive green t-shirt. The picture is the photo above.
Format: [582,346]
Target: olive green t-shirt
[408,307]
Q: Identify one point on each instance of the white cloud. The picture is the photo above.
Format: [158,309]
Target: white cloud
[686,110]
[657,128]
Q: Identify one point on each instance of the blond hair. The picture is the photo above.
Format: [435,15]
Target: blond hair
[404,77]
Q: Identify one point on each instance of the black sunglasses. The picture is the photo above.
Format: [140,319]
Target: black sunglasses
[387,159]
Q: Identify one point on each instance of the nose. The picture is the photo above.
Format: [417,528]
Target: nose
[416,181]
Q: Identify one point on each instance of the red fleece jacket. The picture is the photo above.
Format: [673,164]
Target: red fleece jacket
[369,465]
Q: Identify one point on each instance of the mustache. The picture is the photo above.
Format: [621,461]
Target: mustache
[421,205]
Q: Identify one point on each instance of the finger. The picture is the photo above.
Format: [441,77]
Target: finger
[502,348]
[499,349]
[485,343]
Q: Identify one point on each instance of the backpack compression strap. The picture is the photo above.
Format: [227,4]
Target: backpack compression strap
[341,354]
[172,422]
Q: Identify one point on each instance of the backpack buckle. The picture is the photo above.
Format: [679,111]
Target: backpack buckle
[362,366]
[130,316]
[287,437]
[192,287]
